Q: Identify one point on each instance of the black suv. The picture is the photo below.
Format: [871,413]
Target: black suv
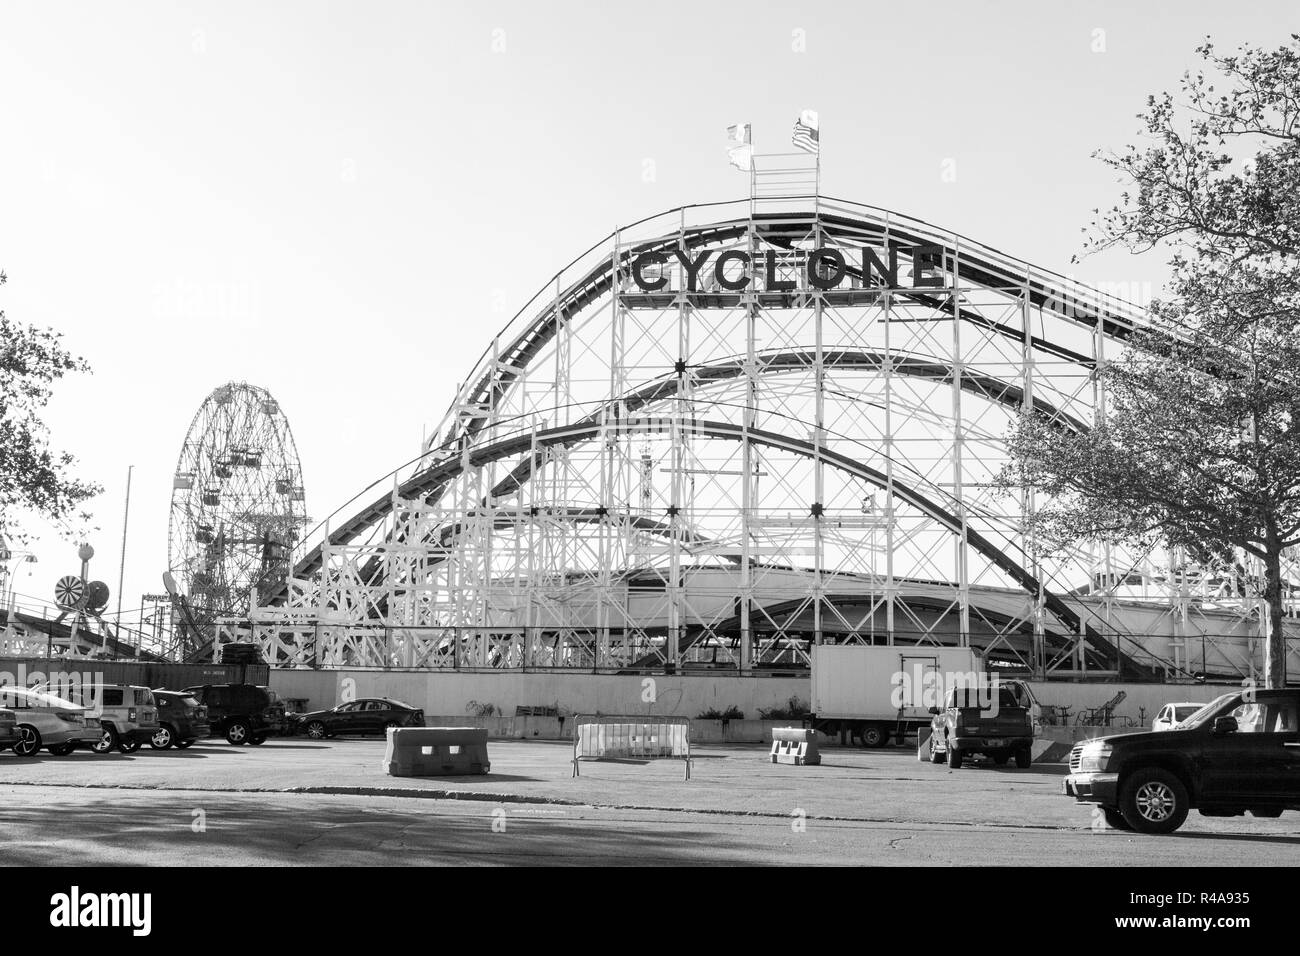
[242,713]
[1239,752]
[181,720]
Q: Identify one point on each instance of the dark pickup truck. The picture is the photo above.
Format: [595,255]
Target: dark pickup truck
[1239,752]
[968,725]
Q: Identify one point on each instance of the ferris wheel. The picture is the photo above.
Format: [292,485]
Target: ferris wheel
[237,506]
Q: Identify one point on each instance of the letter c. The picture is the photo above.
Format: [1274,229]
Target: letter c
[650,258]
[732,285]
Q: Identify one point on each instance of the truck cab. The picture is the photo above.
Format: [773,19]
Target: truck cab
[1238,753]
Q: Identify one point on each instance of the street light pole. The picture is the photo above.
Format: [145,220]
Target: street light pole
[121,570]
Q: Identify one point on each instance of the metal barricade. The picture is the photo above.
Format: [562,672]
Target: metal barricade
[631,737]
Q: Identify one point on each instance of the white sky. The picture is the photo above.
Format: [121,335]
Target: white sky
[323,198]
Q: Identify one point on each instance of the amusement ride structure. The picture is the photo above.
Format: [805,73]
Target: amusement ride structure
[237,509]
[655,468]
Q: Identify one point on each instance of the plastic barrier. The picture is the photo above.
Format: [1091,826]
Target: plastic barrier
[923,744]
[795,745]
[436,751]
[598,737]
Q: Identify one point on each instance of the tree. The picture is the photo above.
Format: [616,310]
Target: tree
[32,477]
[1197,444]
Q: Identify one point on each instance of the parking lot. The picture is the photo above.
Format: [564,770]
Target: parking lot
[310,802]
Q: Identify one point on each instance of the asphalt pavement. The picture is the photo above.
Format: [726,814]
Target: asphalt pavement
[301,802]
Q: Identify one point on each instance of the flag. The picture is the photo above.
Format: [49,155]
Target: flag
[740,149]
[807,132]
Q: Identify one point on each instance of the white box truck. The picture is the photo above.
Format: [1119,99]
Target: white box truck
[878,693]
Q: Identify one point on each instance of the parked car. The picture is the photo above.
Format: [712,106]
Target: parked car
[181,720]
[370,715]
[127,714]
[1172,714]
[45,720]
[242,713]
[8,728]
[1237,753]
[963,728]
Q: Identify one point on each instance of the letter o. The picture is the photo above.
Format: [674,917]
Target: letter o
[835,258]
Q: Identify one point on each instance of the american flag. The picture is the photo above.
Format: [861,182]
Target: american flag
[806,132]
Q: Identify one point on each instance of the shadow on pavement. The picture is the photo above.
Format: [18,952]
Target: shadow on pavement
[304,831]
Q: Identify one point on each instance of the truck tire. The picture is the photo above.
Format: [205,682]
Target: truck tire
[1024,757]
[237,732]
[1153,800]
[872,736]
[954,757]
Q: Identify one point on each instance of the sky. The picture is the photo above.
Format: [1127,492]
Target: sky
[341,202]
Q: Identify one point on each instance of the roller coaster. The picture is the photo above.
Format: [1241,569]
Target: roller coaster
[643,476]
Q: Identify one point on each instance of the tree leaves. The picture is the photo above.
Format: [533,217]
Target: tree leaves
[32,476]
[1197,441]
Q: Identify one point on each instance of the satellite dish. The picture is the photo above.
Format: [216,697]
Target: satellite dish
[96,596]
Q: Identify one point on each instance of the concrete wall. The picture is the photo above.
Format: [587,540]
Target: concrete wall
[451,694]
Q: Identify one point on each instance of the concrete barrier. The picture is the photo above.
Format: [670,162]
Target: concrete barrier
[923,744]
[1053,744]
[436,751]
[795,745]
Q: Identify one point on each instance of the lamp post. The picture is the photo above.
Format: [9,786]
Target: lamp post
[121,569]
[8,582]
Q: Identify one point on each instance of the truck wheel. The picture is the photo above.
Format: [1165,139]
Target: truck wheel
[182,744]
[1115,820]
[256,741]
[1024,757]
[128,746]
[237,732]
[873,735]
[162,738]
[954,757]
[1153,801]
[60,750]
